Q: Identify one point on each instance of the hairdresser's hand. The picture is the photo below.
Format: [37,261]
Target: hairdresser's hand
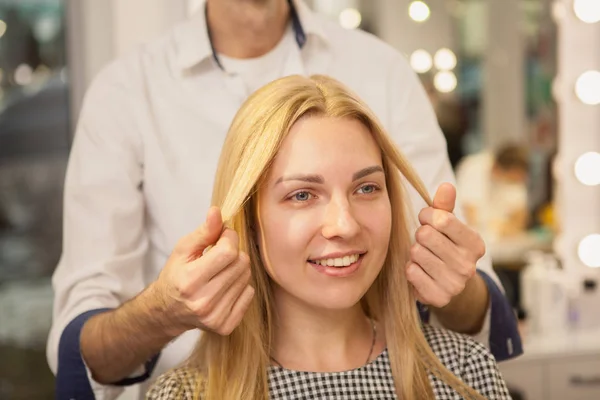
[444,256]
[206,290]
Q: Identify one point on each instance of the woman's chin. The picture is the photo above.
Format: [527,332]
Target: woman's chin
[335,300]
[340,296]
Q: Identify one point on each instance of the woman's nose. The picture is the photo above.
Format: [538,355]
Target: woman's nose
[339,220]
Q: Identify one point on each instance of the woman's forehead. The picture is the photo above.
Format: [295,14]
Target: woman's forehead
[325,137]
[320,145]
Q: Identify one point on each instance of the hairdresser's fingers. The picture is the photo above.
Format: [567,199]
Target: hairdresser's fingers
[442,260]
[425,258]
[427,289]
[216,287]
[238,311]
[418,297]
[184,286]
[205,305]
[437,243]
[223,254]
[455,230]
[224,305]
[444,277]
[192,245]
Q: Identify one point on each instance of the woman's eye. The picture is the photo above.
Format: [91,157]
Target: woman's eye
[367,189]
[301,196]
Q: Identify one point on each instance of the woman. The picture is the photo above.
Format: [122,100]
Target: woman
[313,187]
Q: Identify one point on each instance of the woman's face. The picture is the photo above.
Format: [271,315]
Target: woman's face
[325,213]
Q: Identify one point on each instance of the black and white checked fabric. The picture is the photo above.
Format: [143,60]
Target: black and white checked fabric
[371,381]
[464,357]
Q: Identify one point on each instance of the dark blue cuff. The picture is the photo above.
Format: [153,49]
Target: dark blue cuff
[424,312]
[72,381]
[505,340]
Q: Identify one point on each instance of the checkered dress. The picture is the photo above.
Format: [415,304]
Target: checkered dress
[464,357]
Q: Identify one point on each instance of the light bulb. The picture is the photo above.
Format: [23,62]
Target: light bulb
[421,61]
[587,168]
[23,75]
[419,11]
[587,10]
[589,250]
[444,59]
[350,18]
[445,81]
[587,87]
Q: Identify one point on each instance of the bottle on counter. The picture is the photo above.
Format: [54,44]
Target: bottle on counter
[544,291]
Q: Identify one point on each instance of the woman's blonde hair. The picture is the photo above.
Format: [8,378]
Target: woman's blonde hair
[235,366]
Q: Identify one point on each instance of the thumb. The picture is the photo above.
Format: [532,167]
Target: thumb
[206,235]
[445,197]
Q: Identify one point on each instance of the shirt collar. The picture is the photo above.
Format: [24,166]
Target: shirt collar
[310,23]
[194,45]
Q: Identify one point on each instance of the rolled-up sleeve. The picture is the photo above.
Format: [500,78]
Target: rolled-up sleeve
[415,130]
[104,243]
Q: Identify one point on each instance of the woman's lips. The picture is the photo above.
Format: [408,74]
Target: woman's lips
[338,272]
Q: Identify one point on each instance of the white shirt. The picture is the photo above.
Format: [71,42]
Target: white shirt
[257,72]
[144,156]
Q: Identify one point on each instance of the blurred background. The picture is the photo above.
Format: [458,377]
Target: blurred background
[516,88]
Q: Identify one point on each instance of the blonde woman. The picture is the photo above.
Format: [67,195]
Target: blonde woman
[312,186]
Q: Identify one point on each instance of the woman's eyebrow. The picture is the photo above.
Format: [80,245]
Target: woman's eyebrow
[299,177]
[366,171]
[320,180]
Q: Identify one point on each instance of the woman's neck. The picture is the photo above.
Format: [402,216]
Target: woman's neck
[319,340]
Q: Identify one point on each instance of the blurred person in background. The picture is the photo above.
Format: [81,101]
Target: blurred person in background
[140,176]
[492,188]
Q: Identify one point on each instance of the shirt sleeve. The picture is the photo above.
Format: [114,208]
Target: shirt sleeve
[104,242]
[504,338]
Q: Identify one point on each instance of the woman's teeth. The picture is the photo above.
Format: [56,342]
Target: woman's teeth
[338,262]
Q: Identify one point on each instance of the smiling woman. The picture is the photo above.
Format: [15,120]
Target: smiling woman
[313,187]
[338,212]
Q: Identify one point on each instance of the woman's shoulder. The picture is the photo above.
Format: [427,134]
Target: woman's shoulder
[469,360]
[452,348]
[176,384]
